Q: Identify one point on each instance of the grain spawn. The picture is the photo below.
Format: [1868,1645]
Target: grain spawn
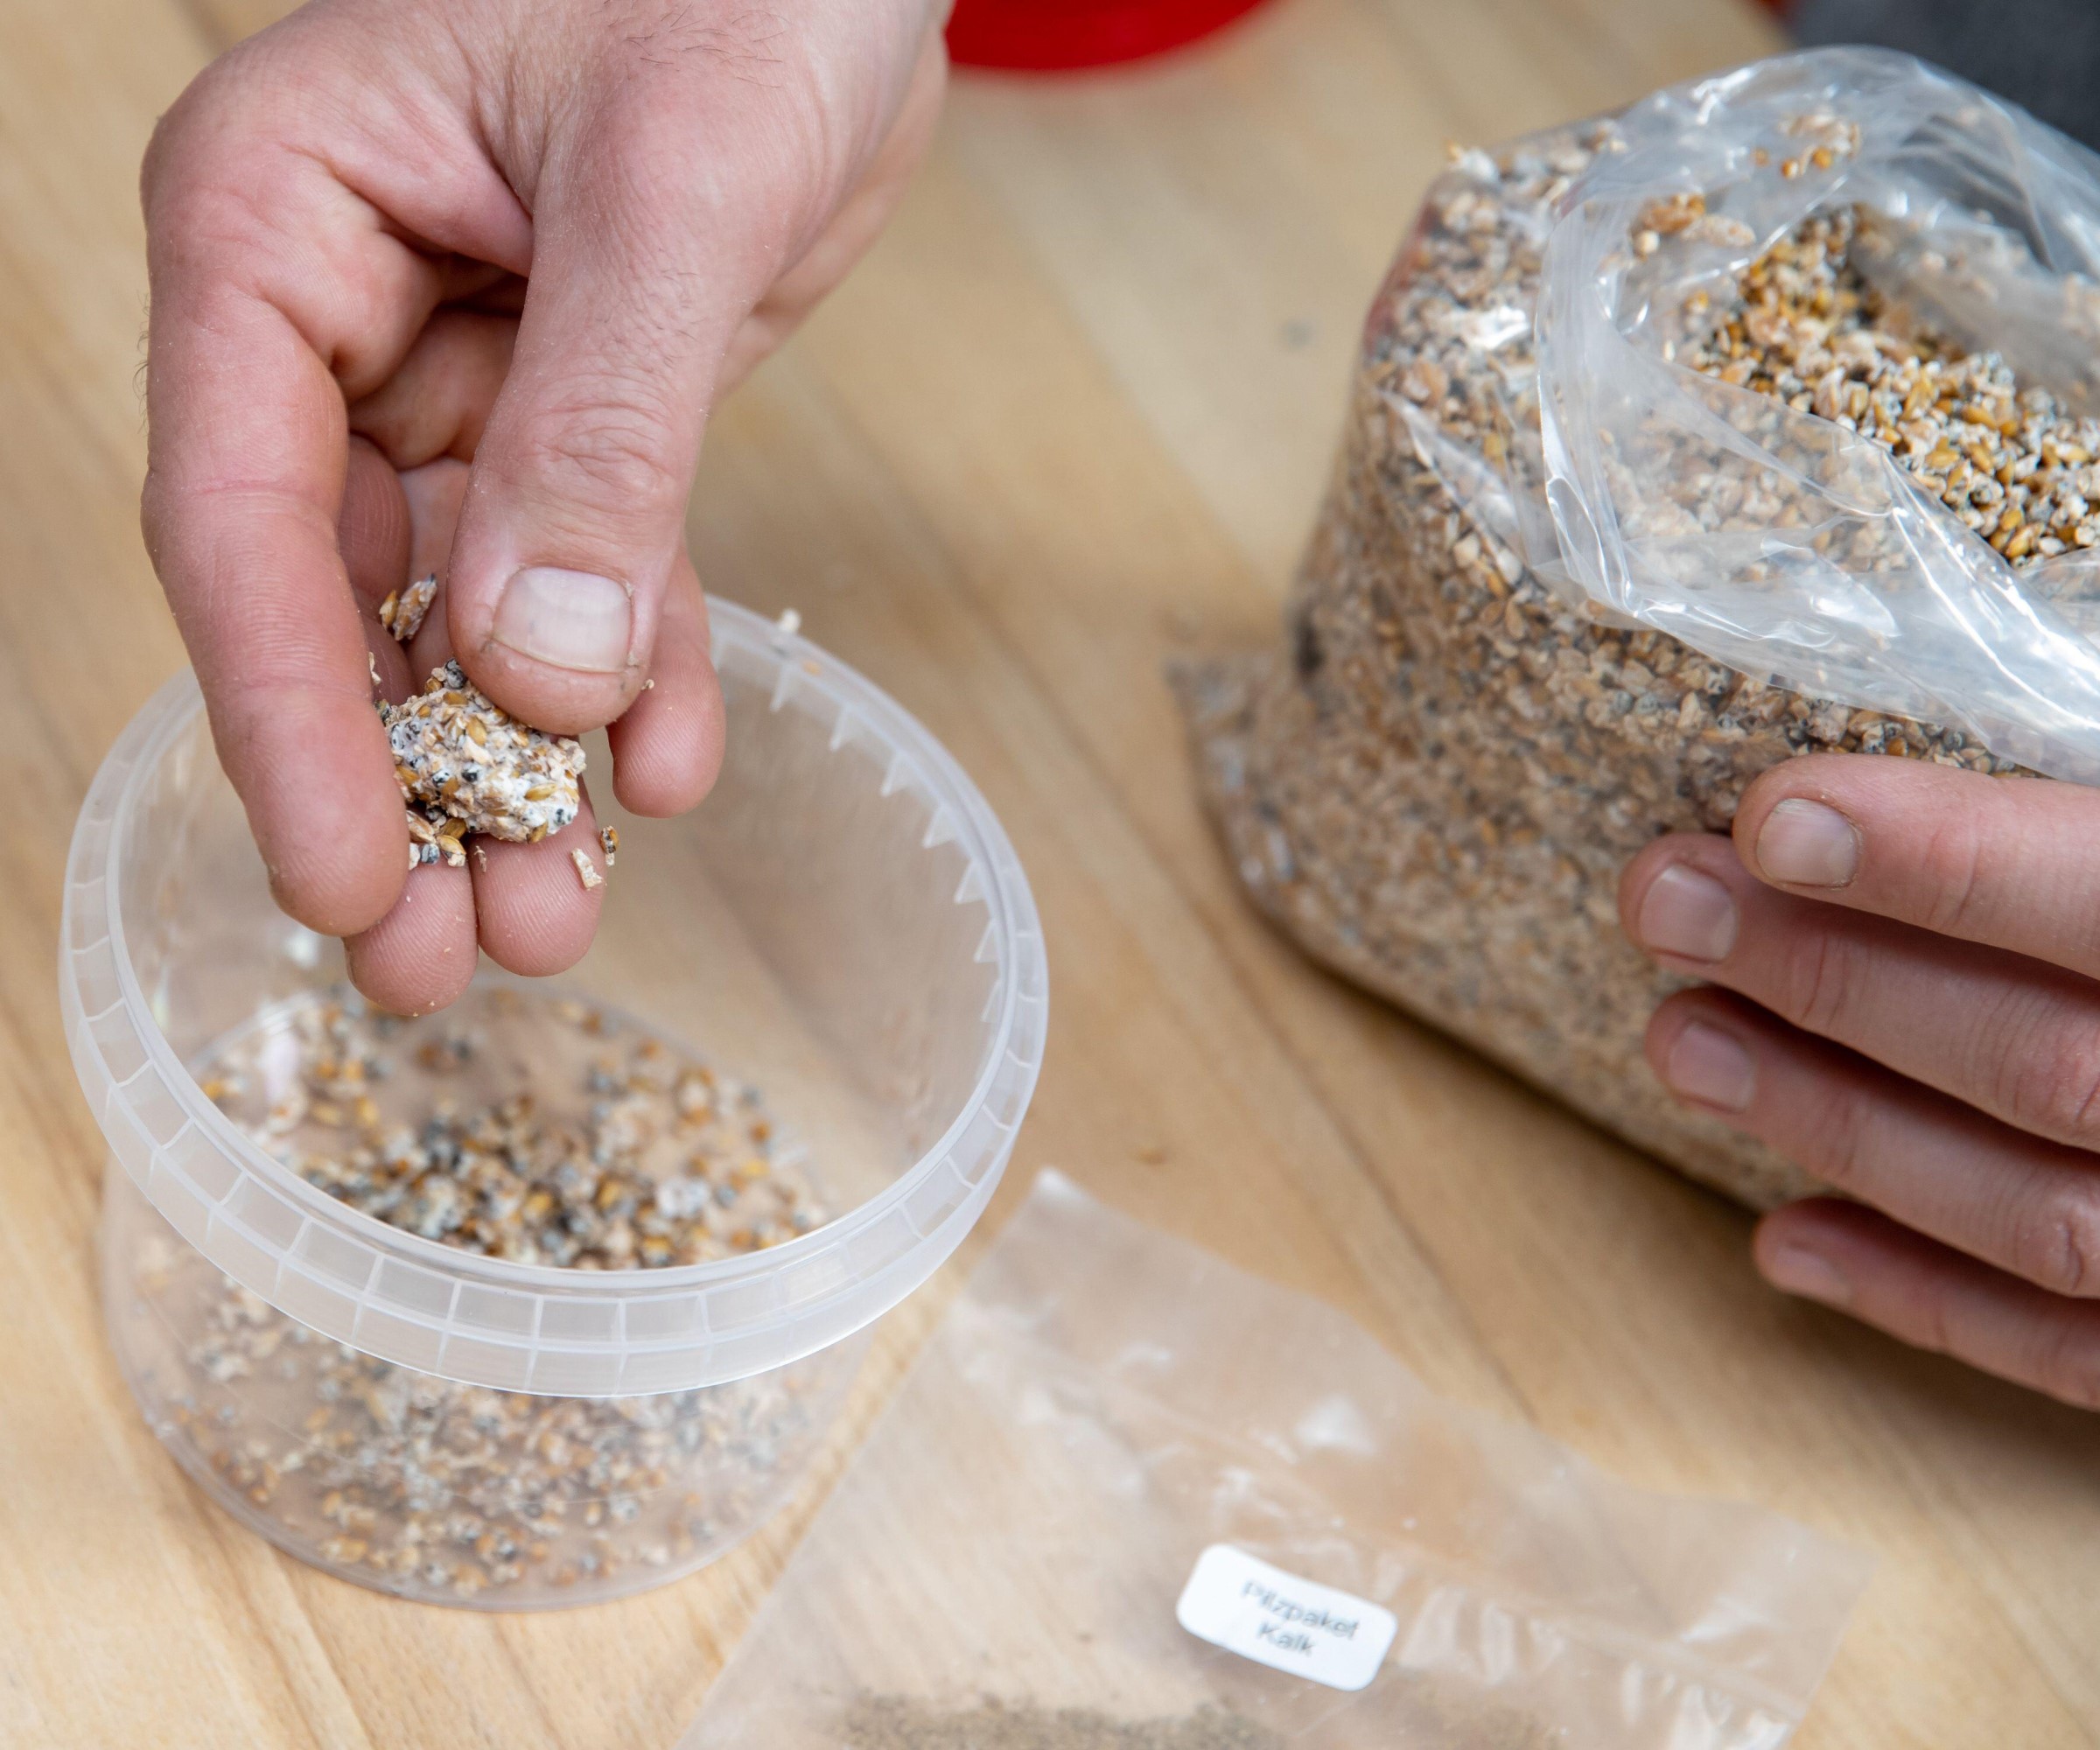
[643,1157]
[403,612]
[460,757]
[1435,785]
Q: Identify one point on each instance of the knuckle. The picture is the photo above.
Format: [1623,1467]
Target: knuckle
[1821,981]
[2057,1246]
[611,451]
[2050,1087]
[181,128]
[1845,1138]
[203,127]
[1952,862]
[226,162]
[798,126]
[222,218]
[749,42]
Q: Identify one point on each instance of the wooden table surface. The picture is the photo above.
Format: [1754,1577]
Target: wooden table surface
[1072,417]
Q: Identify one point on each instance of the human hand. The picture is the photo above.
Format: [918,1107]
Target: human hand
[1905,956]
[451,285]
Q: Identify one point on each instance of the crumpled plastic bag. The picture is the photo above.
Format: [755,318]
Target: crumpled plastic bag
[1991,223]
[1004,1565]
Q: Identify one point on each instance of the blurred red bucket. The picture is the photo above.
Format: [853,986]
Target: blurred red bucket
[1049,35]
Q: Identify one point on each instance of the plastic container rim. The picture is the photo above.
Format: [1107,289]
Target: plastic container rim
[173,708]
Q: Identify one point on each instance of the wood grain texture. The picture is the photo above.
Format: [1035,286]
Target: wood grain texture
[1071,417]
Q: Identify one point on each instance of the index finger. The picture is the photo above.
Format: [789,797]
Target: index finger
[244,480]
[2012,863]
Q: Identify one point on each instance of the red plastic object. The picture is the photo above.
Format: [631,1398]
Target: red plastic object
[1046,36]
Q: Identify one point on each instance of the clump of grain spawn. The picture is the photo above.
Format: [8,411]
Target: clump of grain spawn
[459,756]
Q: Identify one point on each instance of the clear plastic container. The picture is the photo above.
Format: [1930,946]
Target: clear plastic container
[842,925]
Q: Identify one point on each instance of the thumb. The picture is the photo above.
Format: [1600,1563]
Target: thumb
[647,252]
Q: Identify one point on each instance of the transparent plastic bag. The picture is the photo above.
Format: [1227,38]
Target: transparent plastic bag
[1662,481]
[1001,1565]
[1436,780]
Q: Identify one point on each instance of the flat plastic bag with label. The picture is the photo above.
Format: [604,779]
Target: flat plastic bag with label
[1132,1498]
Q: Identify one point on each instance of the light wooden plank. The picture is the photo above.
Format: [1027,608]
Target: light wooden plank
[1072,418]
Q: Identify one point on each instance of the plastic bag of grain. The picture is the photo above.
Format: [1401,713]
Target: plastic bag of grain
[1751,422]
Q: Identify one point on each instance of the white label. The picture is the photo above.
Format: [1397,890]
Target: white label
[1238,1602]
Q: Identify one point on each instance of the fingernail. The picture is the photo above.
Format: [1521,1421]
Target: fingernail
[1687,913]
[1798,1270]
[573,620]
[1808,844]
[1708,1065]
